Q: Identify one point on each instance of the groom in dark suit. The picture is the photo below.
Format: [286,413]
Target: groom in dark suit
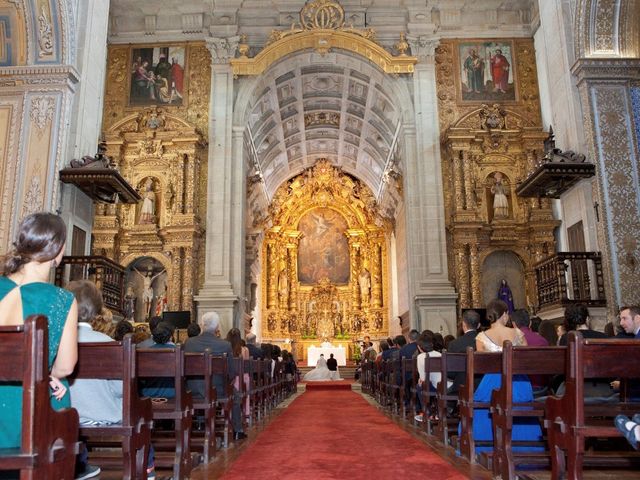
[470,323]
[332,364]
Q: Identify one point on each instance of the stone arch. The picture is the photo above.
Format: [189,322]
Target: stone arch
[498,264]
[607,29]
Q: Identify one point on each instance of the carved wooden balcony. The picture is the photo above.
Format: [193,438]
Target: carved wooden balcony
[105,273]
[570,278]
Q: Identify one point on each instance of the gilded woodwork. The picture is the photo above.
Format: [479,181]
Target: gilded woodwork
[321,28]
[480,140]
[324,310]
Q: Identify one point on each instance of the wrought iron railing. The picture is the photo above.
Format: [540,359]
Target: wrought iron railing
[105,273]
[570,277]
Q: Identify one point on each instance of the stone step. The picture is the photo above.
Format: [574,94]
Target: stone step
[346,372]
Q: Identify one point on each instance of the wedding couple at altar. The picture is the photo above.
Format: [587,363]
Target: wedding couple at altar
[326,370]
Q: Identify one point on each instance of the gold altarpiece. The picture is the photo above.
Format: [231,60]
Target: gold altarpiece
[484,142]
[165,157]
[325,266]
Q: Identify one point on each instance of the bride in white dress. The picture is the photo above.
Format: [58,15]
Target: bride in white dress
[320,373]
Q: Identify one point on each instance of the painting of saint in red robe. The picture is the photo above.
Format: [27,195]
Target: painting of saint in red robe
[487,71]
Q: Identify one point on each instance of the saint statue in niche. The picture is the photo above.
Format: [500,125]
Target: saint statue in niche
[283,285]
[500,202]
[148,209]
[504,294]
[364,281]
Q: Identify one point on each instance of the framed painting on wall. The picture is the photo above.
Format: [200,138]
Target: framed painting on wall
[158,75]
[486,71]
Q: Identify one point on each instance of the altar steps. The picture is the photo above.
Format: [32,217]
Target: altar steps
[347,372]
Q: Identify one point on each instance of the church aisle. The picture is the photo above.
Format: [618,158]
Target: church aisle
[335,434]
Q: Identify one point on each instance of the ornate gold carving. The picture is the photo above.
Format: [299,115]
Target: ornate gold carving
[322,28]
[303,311]
[316,119]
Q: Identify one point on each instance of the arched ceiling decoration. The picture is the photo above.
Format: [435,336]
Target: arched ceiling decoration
[312,107]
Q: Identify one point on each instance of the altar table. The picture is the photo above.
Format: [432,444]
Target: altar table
[313,354]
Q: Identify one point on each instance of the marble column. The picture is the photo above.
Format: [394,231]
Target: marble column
[224,248]
[605,87]
[433,296]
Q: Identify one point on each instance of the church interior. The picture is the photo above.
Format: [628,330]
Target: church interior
[328,176]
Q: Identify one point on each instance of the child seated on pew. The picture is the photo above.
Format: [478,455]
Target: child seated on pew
[160,388]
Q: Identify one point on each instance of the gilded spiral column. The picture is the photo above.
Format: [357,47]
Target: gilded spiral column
[376,275]
[470,203]
[476,300]
[355,260]
[462,268]
[174,289]
[190,183]
[178,184]
[292,252]
[187,279]
[457,180]
[272,287]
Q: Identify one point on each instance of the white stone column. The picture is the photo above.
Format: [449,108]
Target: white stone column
[224,242]
[433,296]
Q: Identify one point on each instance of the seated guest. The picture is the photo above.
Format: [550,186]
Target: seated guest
[447,341]
[153,323]
[254,350]
[438,342]
[425,347]
[521,320]
[98,402]
[410,348]
[25,291]
[210,339]
[239,351]
[193,330]
[160,387]
[491,340]
[535,324]
[576,318]
[122,328]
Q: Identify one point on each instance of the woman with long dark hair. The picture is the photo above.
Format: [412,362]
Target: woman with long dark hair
[25,291]
[240,351]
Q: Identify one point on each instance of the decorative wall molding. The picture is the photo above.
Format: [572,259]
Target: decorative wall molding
[609,69]
[41,112]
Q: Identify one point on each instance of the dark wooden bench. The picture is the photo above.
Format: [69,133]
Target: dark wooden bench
[478,363]
[49,442]
[448,418]
[199,365]
[570,422]
[408,387]
[117,361]
[519,361]
[169,363]
[429,396]
[224,399]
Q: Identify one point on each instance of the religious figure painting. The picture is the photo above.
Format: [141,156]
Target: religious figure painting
[158,75]
[487,71]
[323,250]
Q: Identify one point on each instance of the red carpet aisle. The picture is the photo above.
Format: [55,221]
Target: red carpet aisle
[337,435]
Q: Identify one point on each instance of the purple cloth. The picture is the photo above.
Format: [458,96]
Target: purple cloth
[534,339]
[504,294]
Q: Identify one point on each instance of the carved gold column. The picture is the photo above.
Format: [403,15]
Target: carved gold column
[178,183]
[376,274]
[187,279]
[272,287]
[457,180]
[355,255]
[476,300]
[174,287]
[190,186]
[462,268]
[292,252]
[467,166]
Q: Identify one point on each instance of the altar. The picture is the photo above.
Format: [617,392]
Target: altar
[313,354]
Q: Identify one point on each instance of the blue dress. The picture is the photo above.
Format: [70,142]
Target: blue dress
[524,428]
[37,298]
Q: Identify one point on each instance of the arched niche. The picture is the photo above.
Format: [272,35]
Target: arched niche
[499,197]
[503,265]
[146,282]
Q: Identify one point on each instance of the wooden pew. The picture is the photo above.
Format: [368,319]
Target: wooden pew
[569,421]
[519,361]
[450,363]
[408,387]
[224,399]
[117,361]
[250,367]
[430,397]
[169,363]
[49,441]
[478,363]
[199,365]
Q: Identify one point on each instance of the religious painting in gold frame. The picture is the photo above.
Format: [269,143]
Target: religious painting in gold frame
[323,250]
[486,71]
[158,75]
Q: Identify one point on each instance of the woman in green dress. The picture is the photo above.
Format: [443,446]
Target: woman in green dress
[24,291]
